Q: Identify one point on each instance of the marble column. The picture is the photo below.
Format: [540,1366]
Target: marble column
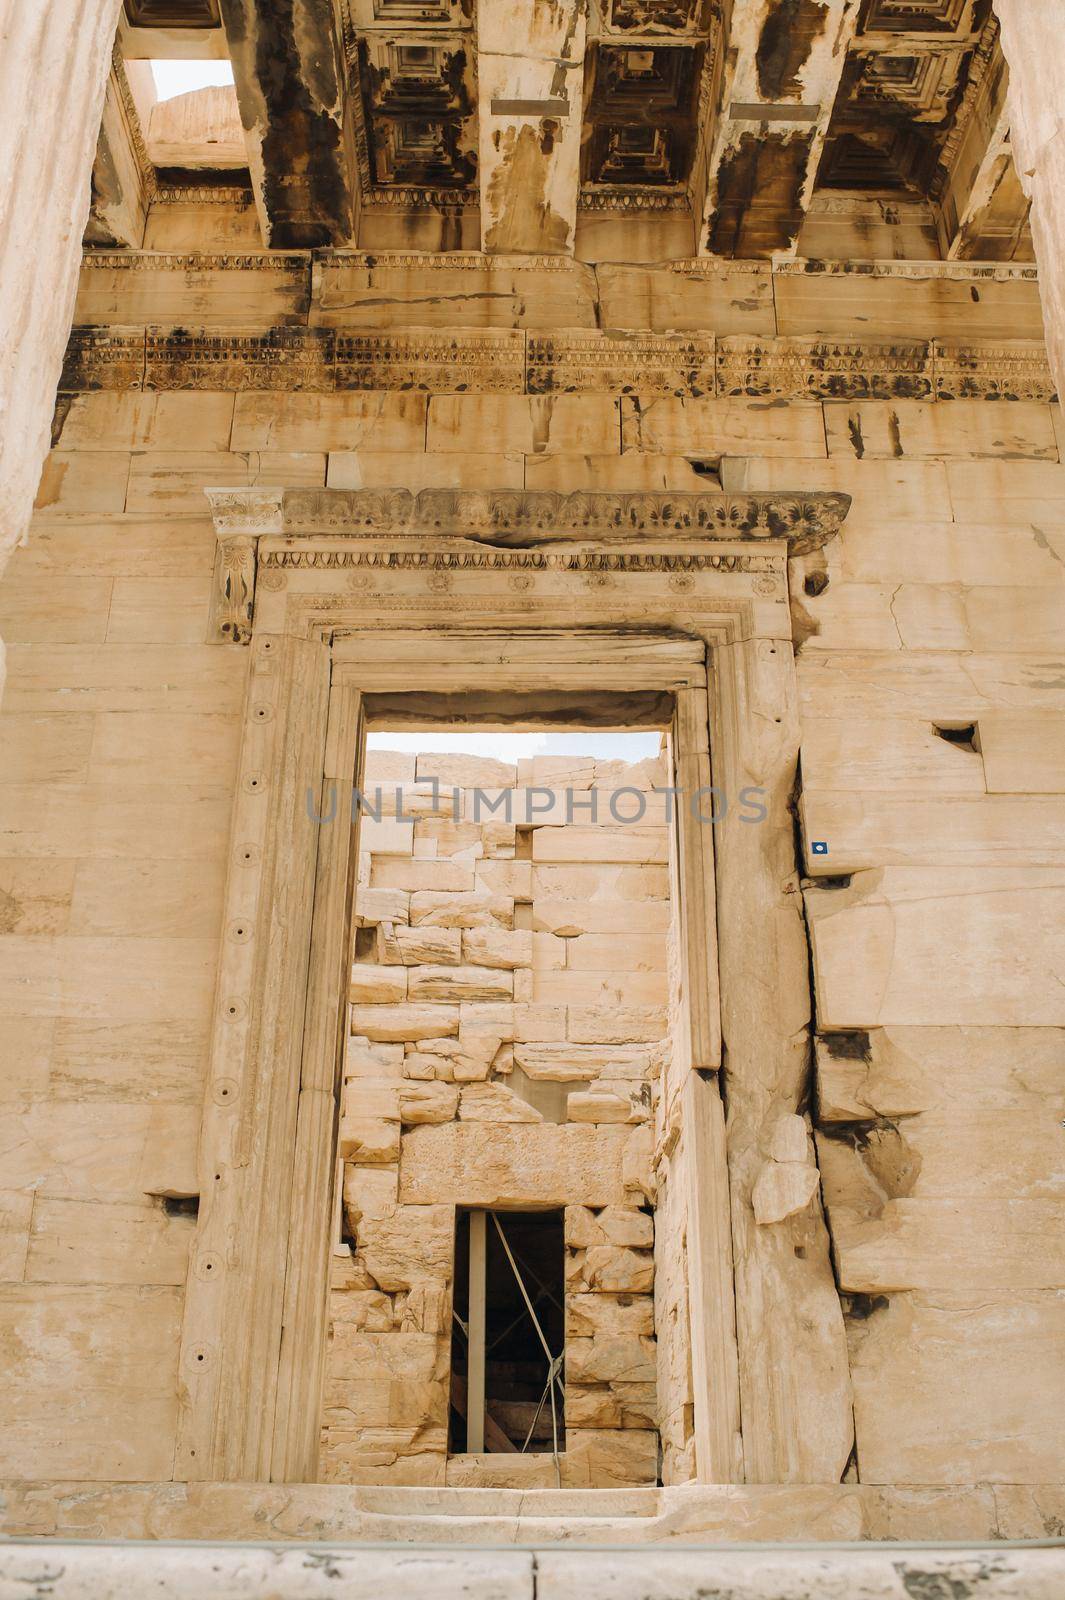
[1033,41]
[55,56]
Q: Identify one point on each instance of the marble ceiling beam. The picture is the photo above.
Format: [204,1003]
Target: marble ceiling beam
[530,68]
[291,78]
[779,69]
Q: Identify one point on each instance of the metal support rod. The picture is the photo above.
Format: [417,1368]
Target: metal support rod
[475,1360]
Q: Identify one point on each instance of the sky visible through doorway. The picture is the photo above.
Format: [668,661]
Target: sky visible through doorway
[600,745]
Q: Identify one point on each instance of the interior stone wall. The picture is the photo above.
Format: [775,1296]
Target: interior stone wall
[509,1023]
[931,673]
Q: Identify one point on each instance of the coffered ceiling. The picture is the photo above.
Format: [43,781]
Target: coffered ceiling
[527,116]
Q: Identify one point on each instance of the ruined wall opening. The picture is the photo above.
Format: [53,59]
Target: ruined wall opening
[511,1002]
[508,1333]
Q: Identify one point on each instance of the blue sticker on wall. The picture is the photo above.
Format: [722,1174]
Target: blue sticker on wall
[819,848]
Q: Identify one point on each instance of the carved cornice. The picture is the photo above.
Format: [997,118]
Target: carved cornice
[511,361]
[448,530]
[805,521]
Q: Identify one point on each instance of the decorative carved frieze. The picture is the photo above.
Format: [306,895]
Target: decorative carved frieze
[824,369]
[509,361]
[648,365]
[103,358]
[1009,371]
[441,532]
[288,359]
[490,361]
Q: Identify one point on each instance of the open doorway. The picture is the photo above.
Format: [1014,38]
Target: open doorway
[493,1302]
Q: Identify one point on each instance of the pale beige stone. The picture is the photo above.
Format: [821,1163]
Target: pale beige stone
[906,945]
[407,1244]
[372,984]
[927,1244]
[615,1024]
[626,1315]
[423,878]
[715,427]
[464,771]
[369,1140]
[600,1104]
[618,1225]
[984,1368]
[610,1458]
[533,424]
[411,947]
[497,947]
[963,429]
[1023,752]
[394,1023]
[366,1058]
[329,422]
[427,1102]
[782,1188]
[460,983]
[473,1163]
[472,909]
[612,1269]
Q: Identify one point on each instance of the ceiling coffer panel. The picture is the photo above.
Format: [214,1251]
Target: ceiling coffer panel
[420,109]
[173,13]
[916,16]
[644,18]
[413,72]
[640,118]
[902,93]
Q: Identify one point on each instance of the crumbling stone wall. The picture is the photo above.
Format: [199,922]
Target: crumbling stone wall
[509,1022]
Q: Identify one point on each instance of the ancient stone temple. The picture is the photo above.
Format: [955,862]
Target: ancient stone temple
[430,1166]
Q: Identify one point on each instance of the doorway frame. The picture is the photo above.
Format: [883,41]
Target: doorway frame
[340,594]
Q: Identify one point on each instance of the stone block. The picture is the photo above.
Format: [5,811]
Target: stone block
[377,985]
[624,1226]
[363,1058]
[964,1245]
[442,878]
[498,947]
[467,909]
[460,983]
[1023,752]
[366,1309]
[914,946]
[569,918]
[600,1104]
[427,1102]
[611,1405]
[952,1387]
[567,1063]
[965,429]
[594,1316]
[479,1164]
[385,836]
[732,426]
[533,424]
[369,1192]
[412,947]
[465,771]
[406,1245]
[610,1358]
[609,1458]
[616,1024]
[374,421]
[396,1023]
[895,1072]
[371,1141]
[610,1269]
